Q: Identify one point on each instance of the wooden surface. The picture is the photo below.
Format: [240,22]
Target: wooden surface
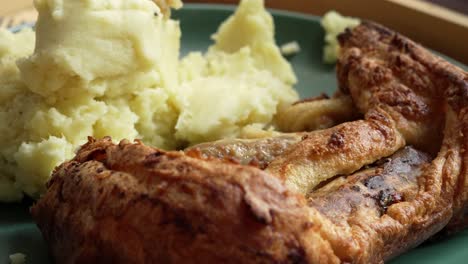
[457,5]
[436,27]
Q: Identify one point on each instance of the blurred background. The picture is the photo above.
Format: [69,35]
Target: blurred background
[457,5]
[461,6]
[438,24]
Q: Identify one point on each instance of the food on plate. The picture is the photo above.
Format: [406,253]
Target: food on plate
[379,197]
[243,76]
[339,150]
[171,196]
[334,24]
[256,152]
[316,113]
[290,48]
[111,68]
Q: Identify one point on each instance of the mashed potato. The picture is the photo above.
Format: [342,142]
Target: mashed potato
[243,77]
[334,24]
[111,68]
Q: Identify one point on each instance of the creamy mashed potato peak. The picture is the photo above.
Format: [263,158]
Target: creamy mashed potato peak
[252,26]
[112,68]
[81,43]
[241,80]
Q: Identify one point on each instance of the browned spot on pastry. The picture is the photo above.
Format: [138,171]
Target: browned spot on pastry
[336,140]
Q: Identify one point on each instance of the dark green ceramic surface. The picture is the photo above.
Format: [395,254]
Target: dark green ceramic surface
[19,234]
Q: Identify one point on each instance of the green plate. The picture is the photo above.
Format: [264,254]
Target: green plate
[19,234]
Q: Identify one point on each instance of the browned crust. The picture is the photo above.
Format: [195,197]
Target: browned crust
[370,36]
[405,79]
[339,150]
[428,99]
[360,201]
[316,113]
[209,211]
[373,190]
[129,203]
